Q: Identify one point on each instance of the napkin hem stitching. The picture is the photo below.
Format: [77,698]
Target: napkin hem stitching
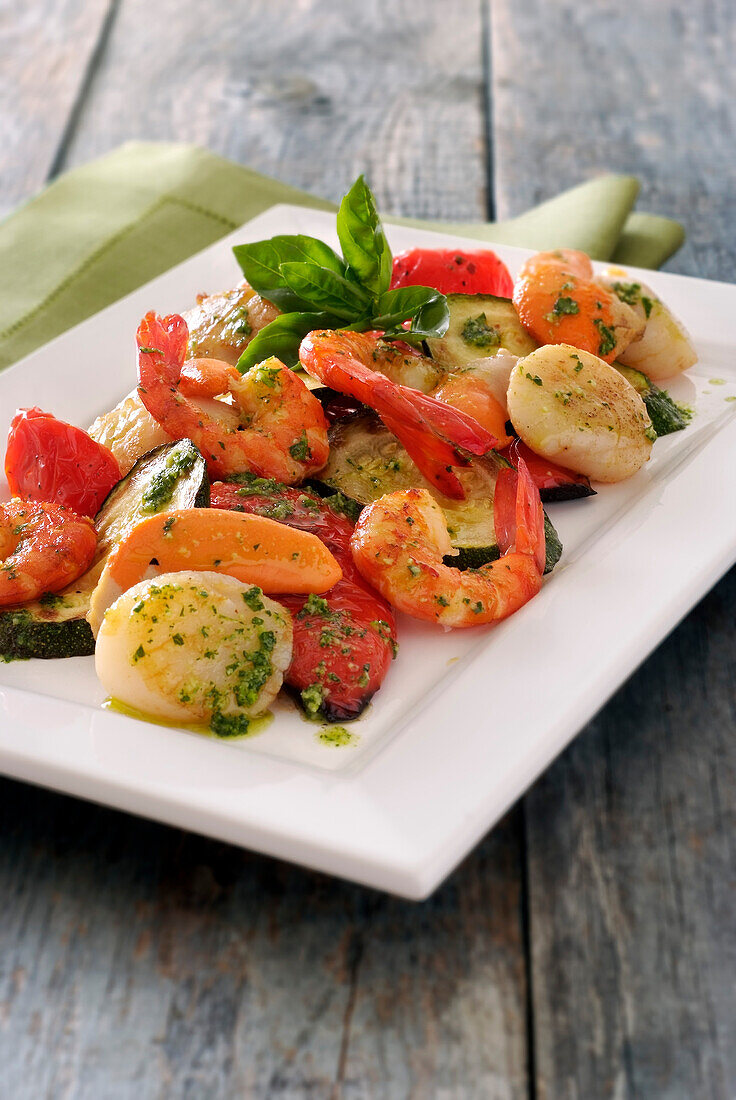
[108,243]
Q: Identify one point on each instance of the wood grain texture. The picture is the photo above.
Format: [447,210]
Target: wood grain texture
[137,961]
[581,89]
[631,863]
[631,856]
[46,48]
[314,92]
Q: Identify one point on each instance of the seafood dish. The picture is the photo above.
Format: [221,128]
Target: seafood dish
[336,443]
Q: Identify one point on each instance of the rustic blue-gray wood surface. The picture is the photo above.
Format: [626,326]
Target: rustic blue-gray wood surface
[587,948]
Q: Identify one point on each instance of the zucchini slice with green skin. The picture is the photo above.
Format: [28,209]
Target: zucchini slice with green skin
[665,414]
[480,325]
[173,475]
[366,462]
[54,626]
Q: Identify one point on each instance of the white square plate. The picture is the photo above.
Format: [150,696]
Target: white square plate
[466,720]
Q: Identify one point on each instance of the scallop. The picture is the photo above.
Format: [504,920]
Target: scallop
[664,349]
[129,431]
[195,647]
[222,325]
[573,408]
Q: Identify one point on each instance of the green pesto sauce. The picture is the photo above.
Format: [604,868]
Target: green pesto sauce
[312,698]
[563,306]
[336,736]
[160,489]
[478,333]
[299,450]
[237,325]
[716,381]
[608,337]
[255,725]
[630,293]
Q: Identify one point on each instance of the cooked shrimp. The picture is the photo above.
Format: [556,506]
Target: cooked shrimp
[664,348]
[130,431]
[400,542]
[573,408]
[222,325]
[405,365]
[479,389]
[251,548]
[43,547]
[430,430]
[195,647]
[560,301]
[275,428]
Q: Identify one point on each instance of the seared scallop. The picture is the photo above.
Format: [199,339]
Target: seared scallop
[573,408]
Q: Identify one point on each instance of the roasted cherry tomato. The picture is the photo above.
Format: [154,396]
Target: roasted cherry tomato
[49,460]
[453,271]
[554,482]
[345,640]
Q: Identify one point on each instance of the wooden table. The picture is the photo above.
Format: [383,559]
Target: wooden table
[587,948]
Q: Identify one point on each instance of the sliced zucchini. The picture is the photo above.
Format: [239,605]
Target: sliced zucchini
[54,626]
[366,461]
[665,414]
[553,551]
[173,475]
[311,383]
[480,325]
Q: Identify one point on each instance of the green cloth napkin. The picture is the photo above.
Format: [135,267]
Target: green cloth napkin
[104,229]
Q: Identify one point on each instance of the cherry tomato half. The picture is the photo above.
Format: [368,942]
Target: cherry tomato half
[48,459]
[453,271]
[554,482]
[344,641]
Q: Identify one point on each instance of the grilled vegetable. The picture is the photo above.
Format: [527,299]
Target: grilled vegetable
[344,641]
[665,414]
[367,461]
[54,626]
[452,271]
[480,325]
[50,460]
[554,482]
[173,475]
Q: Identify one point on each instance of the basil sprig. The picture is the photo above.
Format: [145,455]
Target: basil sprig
[316,288]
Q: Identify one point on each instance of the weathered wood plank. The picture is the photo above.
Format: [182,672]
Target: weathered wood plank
[204,971]
[632,858]
[581,89]
[138,960]
[437,1011]
[314,93]
[630,835]
[46,47]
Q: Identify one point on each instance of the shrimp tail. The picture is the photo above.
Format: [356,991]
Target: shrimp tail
[162,346]
[518,514]
[429,429]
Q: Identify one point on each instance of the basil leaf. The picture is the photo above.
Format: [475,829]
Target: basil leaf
[326,290]
[282,338]
[261,263]
[397,305]
[430,320]
[362,239]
